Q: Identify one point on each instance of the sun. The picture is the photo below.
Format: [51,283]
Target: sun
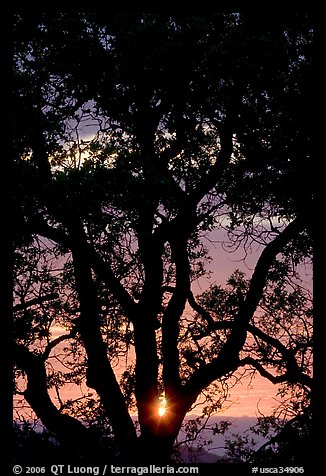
[161,411]
[162,408]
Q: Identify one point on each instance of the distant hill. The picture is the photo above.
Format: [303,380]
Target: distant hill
[201,456]
[216,450]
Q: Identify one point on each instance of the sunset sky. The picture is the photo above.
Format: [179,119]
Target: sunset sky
[162,236]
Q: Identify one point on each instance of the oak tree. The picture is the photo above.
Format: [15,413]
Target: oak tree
[135,136]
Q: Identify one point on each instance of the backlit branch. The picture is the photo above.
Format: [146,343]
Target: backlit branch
[216,171]
[293,371]
[172,314]
[57,341]
[228,358]
[263,372]
[35,301]
[101,268]
[67,428]
[100,374]
[202,311]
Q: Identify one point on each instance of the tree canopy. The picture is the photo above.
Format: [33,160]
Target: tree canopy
[135,136]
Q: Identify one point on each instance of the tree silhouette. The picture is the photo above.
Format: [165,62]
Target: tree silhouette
[135,136]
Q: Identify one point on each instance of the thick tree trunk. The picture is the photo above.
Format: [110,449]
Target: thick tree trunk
[157,438]
[146,373]
[155,449]
[100,374]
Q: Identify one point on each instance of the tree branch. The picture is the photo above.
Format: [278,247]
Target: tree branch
[151,249]
[215,172]
[285,432]
[35,301]
[101,268]
[39,226]
[172,314]
[40,155]
[100,375]
[201,310]
[57,341]
[68,429]
[237,337]
[187,218]
[263,372]
[104,272]
[228,358]
[294,373]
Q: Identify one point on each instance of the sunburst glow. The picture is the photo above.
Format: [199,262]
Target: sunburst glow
[161,411]
[162,408]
